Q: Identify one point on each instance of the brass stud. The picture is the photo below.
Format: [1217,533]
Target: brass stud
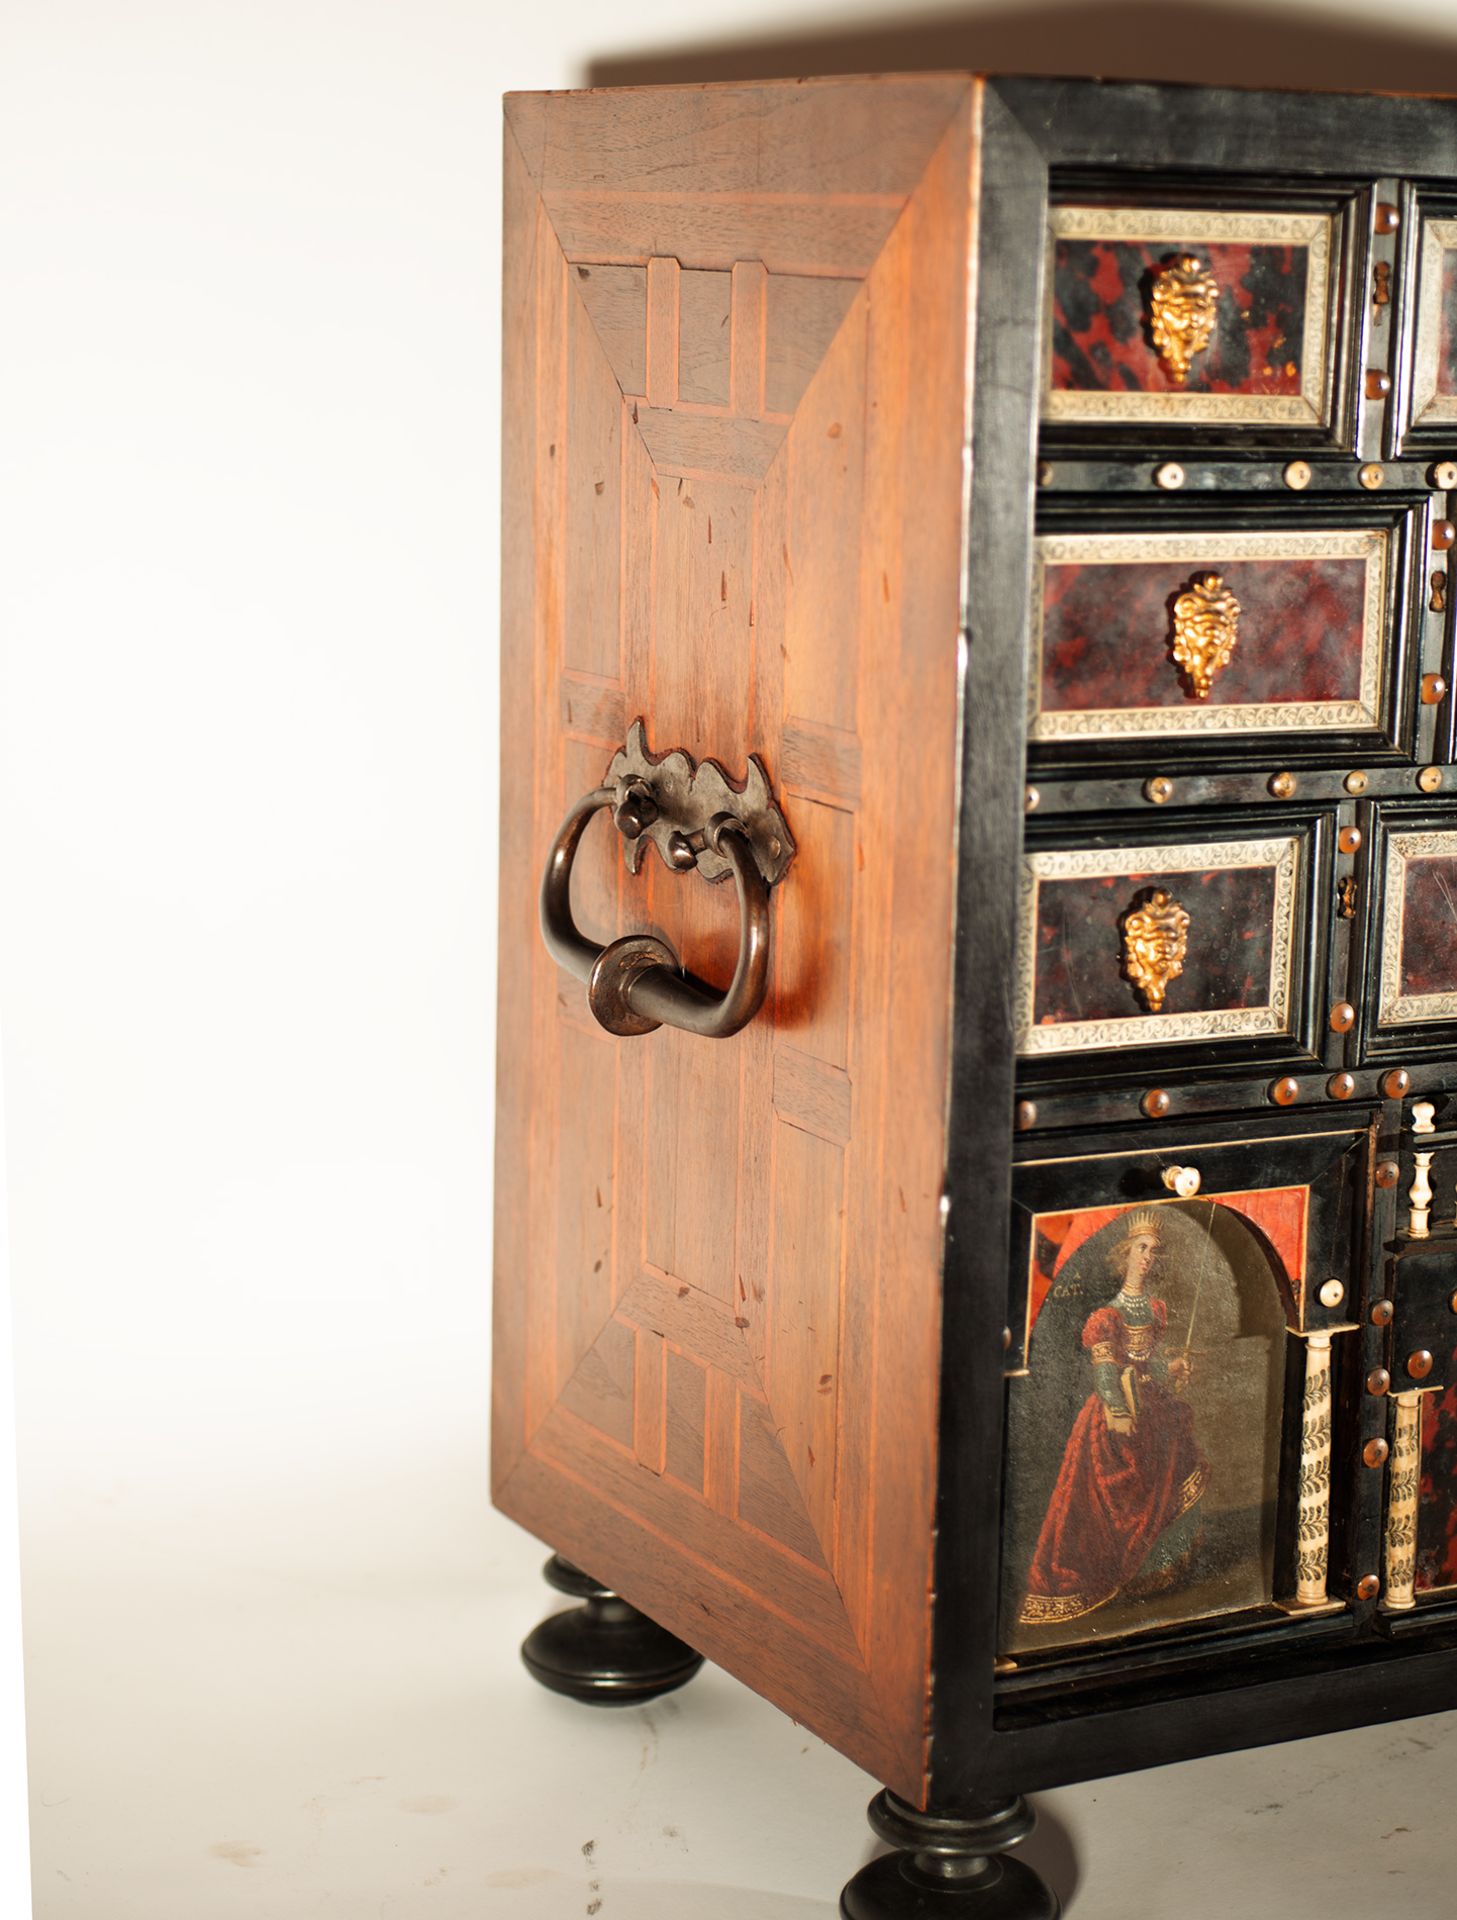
[1378,383]
[1356,782]
[1378,1381]
[1383,1312]
[1419,1364]
[1429,779]
[1170,476]
[1006,1339]
[1376,1453]
[1368,1588]
[1031,800]
[1341,1086]
[1026,1114]
[1388,1172]
[1372,476]
[1159,790]
[1297,475]
[1434,689]
[1343,1017]
[1155,1103]
[1349,839]
[1388,217]
[1282,785]
[1444,475]
[1444,536]
[1452,1303]
[1332,1293]
[1396,1084]
[1285,1092]
[1044,473]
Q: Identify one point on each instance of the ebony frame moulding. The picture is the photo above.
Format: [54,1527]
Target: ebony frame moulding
[1205,529]
[1344,205]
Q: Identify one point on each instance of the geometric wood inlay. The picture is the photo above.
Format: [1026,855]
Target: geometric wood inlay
[736,361]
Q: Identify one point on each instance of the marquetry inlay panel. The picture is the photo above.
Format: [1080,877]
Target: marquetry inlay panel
[730,512]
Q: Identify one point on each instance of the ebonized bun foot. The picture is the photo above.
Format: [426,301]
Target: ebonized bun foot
[948,1869]
[604,1652]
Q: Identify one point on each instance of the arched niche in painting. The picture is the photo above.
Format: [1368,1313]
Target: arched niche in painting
[1144,1441]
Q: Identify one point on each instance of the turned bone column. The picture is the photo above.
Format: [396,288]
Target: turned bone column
[1313,1548]
[1401,1516]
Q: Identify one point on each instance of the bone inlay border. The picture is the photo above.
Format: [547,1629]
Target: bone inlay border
[1398,1008]
[1439,238]
[1184,552]
[1157,1029]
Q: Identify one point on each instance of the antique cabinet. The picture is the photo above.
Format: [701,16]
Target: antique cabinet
[977,1142]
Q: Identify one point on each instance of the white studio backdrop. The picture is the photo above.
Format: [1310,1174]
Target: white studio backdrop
[249,341]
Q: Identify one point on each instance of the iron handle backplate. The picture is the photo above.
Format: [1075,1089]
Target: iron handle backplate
[699,821]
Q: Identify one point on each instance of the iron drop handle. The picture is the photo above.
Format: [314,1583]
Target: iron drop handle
[637,984]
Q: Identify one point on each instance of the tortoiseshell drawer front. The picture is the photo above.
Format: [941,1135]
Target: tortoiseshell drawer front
[1413,951]
[1186,629]
[1187,316]
[1177,941]
[1432,402]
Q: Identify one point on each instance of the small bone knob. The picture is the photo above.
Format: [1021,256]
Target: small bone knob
[1423,1114]
[1183,1181]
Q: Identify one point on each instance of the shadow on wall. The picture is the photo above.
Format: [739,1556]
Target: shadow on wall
[1203,44]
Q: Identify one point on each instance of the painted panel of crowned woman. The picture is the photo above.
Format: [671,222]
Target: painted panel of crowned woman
[1144,1438]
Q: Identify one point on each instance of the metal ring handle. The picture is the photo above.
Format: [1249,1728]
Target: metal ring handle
[637,983]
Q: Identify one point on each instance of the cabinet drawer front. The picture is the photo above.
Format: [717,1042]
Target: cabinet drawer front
[1193,634]
[1418,974]
[1144,946]
[1434,361]
[1190,316]
[1156,1353]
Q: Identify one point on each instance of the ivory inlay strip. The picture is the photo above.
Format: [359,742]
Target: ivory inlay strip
[1401,1518]
[1313,1546]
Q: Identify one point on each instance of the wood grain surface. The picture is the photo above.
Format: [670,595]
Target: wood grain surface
[736,324]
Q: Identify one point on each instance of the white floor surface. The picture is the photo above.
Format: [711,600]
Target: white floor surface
[297,1726]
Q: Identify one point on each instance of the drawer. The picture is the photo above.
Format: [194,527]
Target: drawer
[1157,1364]
[1432,410]
[1414,930]
[1190,940]
[1192,316]
[1194,630]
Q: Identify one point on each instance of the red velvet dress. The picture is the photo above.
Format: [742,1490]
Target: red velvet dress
[1119,1493]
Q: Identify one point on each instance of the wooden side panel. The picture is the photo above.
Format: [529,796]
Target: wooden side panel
[686,1408]
[736,367]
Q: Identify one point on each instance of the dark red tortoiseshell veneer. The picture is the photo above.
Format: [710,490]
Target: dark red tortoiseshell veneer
[1108,633]
[1079,958]
[1101,337]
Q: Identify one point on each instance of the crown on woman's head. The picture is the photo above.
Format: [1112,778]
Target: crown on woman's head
[1145,1220]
